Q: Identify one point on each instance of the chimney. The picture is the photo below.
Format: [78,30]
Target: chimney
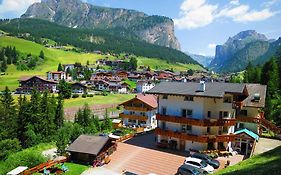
[202,87]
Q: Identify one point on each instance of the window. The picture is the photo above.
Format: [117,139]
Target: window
[188,127]
[164,110]
[185,128]
[243,112]
[227,99]
[225,114]
[186,113]
[225,129]
[132,112]
[208,130]
[209,114]
[165,96]
[142,113]
[188,98]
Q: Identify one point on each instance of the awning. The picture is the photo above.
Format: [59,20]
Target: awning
[249,133]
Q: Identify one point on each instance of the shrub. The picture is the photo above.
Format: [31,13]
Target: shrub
[90,95]
[84,95]
[104,93]
[75,95]
[8,147]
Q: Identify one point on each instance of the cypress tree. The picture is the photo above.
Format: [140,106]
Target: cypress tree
[60,67]
[42,55]
[22,120]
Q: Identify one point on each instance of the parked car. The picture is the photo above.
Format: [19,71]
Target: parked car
[189,170]
[200,164]
[207,159]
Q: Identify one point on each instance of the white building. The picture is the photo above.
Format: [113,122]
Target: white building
[56,76]
[202,115]
[140,111]
[144,86]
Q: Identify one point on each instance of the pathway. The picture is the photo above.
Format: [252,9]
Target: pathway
[265,144]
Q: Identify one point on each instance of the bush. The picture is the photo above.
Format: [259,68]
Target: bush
[84,95]
[104,93]
[28,157]
[90,95]
[8,147]
[75,95]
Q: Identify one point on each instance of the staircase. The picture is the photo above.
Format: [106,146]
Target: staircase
[262,121]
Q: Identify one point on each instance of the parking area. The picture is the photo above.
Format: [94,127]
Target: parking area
[139,155]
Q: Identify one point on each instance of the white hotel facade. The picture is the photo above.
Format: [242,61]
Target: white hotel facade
[205,116]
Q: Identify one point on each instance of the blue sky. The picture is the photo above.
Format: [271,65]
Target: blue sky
[199,24]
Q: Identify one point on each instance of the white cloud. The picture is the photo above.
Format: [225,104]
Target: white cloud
[16,7]
[234,2]
[194,14]
[212,45]
[199,13]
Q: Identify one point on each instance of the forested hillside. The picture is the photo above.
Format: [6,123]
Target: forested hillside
[116,40]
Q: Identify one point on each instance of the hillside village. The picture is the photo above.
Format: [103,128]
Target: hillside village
[94,89]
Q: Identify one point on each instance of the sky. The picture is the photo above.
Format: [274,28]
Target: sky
[200,25]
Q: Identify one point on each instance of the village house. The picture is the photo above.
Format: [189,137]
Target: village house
[87,149]
[38,83]
[140,111]
[205,116]
[144,85]
[56,76]
[78,88]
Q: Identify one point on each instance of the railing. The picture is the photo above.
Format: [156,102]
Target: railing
[133,117]
[260,120]
[196,138]
[135,108]
[40,167]
[196,122]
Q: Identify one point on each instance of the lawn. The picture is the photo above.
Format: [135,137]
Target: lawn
[132,84]
[98,99]
[73,169]
[266,163]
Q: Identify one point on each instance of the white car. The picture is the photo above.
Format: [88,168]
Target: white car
[198,163]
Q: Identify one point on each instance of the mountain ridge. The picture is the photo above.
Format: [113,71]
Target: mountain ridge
[152,29]
[246,46]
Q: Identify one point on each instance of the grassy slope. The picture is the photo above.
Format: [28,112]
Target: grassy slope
[98,99]
[266,163]
[55,56]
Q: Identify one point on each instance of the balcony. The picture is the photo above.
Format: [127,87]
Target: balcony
[136,108]
[237,104]
[133,117]
[196,122]
[196,138]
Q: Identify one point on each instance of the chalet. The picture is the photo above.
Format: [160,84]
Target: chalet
[144,85]
[122,74]
[86,149]
[78,88]
[140,111]
[36,82]
[56,76]
[205,115]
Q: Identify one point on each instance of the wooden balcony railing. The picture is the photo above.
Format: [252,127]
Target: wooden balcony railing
[133,117]
[260,120]
[134,108]
[196,138]
[196,122]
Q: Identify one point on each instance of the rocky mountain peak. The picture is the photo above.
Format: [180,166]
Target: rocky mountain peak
[77,14]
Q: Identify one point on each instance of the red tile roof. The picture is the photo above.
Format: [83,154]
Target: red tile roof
[150,100]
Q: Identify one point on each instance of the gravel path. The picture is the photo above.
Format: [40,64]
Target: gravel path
[265,144]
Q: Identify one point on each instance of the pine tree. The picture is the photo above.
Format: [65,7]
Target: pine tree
[107,123]
[14,55]
[133,63]
[35,108]
[22,119]
[60,67]
[64,89]
[42,55]
[270,76]
[59,116]
[8,123]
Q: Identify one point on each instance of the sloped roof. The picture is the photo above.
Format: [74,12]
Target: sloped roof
[212,89]
[88,144]
[252,90]
[150,100]
[38,77]
[249,133]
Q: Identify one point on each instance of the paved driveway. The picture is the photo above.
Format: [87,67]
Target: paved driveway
[265,144]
